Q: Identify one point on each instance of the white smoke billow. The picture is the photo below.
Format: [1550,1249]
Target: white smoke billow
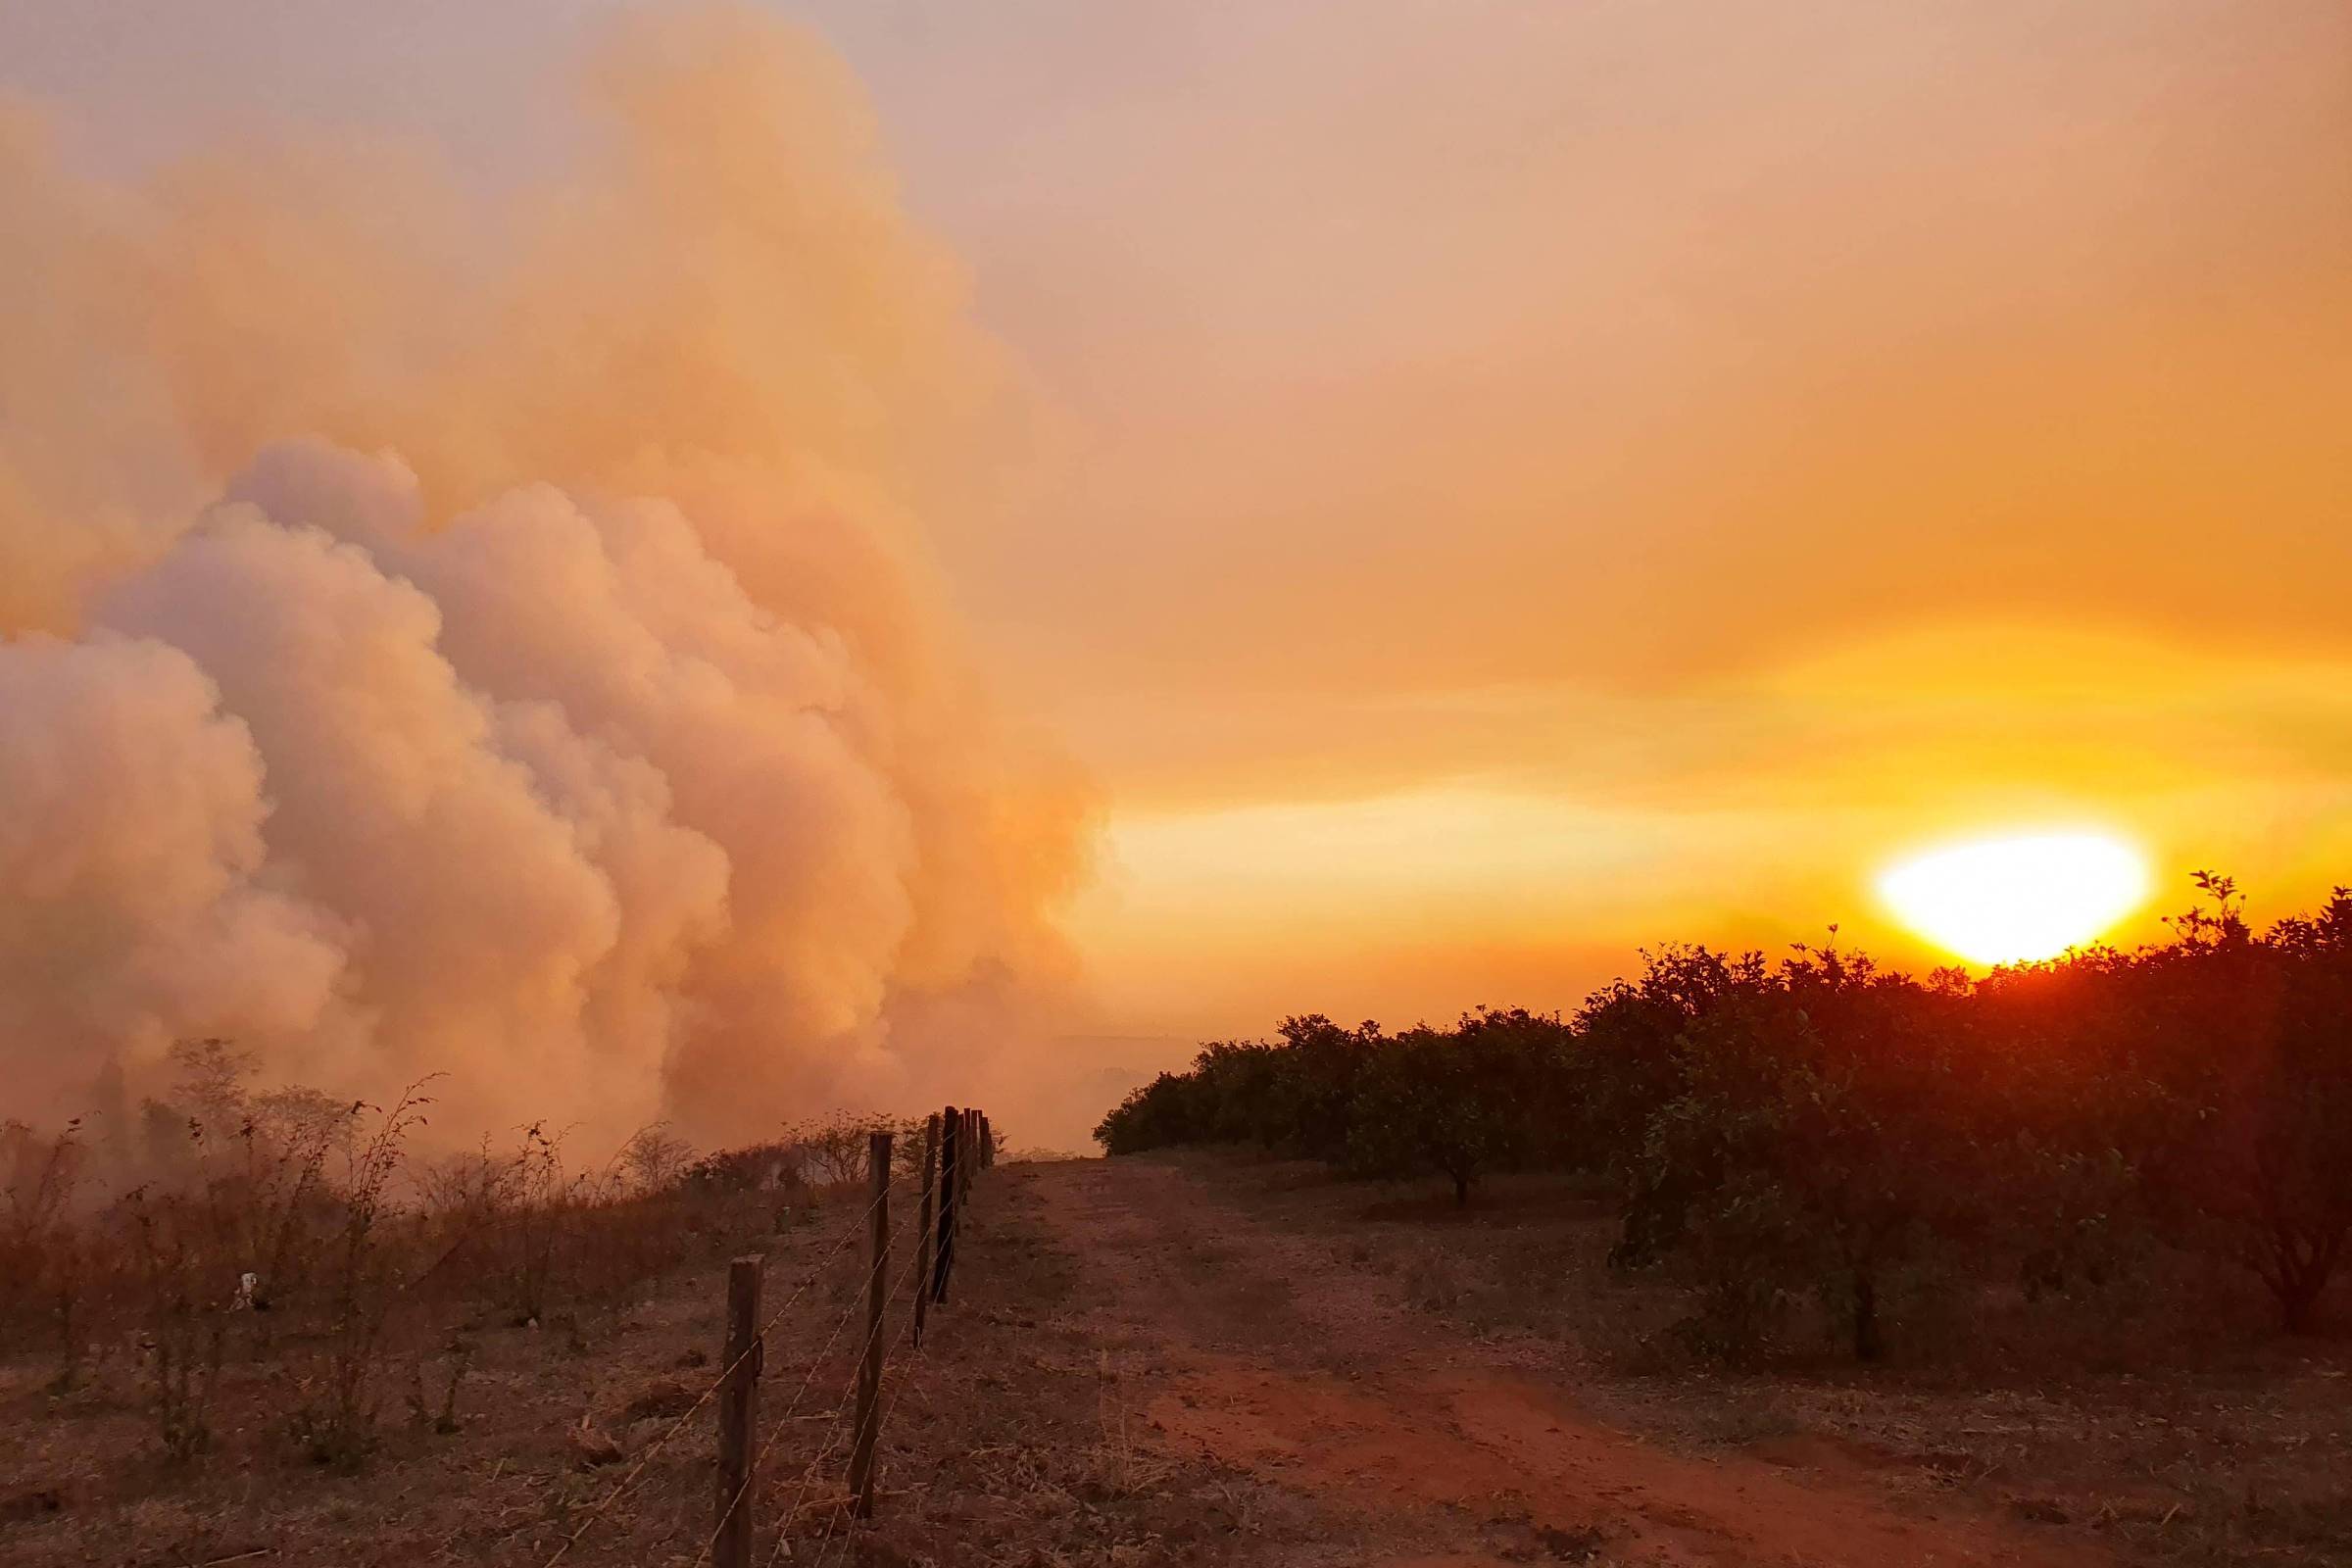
[522,671]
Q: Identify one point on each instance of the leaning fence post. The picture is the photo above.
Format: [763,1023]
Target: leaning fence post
[738,1415]
[943,1259]
[877,1287]
[928,1242]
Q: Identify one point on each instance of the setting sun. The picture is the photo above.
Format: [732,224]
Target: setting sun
[2009,900]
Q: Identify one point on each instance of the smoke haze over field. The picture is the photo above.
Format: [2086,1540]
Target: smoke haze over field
[1478,489]
[498,644]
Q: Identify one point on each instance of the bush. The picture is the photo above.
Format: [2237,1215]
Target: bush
[1460,1103]
[260,1223]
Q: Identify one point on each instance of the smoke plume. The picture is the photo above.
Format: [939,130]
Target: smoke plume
[493,639]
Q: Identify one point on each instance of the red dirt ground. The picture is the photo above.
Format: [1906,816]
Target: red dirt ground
[1207,1360]
[1264,1351]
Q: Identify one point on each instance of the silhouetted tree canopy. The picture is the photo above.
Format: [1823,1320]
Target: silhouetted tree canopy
[1820,1122]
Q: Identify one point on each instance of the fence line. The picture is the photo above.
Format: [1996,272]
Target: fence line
[958,1145]
[926,1269]
[807,1381]
[834,1518]
[833,1434]
[654,1448]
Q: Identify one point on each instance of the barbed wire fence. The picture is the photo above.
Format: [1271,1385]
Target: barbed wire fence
[957,1146]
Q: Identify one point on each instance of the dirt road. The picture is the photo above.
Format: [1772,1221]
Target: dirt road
[1365,1431]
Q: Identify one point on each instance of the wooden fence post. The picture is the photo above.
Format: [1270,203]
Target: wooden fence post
[877,1288]
[738,1415]
[944,1259]
[928,1242]
[964,1164]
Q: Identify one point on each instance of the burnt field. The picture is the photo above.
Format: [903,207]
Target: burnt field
[1208,1358]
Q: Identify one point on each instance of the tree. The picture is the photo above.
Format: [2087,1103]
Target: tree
[1310,1094]
[1822,1122]
[2256,1051]
[1453,1103]
[1811,1139]
[656,1157]
[1635,1054]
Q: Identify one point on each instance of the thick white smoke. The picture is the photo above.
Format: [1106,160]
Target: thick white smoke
[522,672]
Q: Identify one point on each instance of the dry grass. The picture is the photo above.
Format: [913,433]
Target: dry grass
[1022,1433]
[2172,1420]
[1022,1440]
[262,1324]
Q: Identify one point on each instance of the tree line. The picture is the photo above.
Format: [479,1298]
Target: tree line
[1822,1123]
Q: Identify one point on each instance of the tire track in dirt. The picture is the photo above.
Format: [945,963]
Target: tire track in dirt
[1264,1351]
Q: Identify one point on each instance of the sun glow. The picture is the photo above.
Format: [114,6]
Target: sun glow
[2009,900]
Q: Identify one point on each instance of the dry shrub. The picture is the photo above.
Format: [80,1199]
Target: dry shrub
[541,1241]
[656,1159]
[831,1151]
[256,1223]
[287,1230]
[180,1262]
[335,1422]
[1433,1281]
[43,1255]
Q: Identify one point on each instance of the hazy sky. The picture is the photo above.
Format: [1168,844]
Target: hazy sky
[1501,484]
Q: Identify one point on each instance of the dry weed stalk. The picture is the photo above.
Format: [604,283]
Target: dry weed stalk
[335,1422]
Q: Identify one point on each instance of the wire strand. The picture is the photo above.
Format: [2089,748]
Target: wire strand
[808,1475]
[815,1271]
[776,1431]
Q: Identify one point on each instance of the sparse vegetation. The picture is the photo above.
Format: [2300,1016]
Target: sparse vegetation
[236,1281]
[250,1228]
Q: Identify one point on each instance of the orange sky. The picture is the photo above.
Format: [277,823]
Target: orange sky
[1495,487]
[1549,482]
